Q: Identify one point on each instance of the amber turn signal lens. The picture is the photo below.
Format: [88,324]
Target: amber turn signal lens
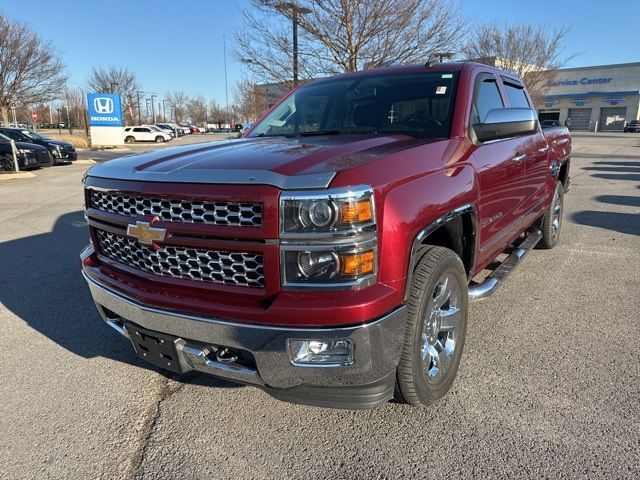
[357,264]
[357,213]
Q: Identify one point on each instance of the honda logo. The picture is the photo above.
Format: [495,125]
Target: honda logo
[103,105]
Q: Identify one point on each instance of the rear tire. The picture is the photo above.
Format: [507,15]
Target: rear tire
[552,220]
[130,139]
[437,307]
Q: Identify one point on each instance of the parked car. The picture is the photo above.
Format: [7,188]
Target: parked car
[177,131]
[62,152]
[166,129]
[329,257]
[185,130]
[631,126]
[155,128]
[29,155]
[550,123]
[245,128]
[144,134]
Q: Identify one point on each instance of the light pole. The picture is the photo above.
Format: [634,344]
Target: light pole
[113,86]
[153,108]
[164,111]
[295,12]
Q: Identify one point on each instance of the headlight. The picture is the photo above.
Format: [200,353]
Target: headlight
[55,149]
[330,214]
[341,266]
[328,238]
[26,151]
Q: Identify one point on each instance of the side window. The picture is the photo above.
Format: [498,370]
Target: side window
[487,98]
[517,97]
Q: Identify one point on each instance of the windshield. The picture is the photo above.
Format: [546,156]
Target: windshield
[416,104]
[33,135]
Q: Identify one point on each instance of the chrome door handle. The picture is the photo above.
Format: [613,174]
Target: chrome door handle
[544,149]
[519,158]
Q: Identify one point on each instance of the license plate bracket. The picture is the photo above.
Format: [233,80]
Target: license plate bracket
[156,348]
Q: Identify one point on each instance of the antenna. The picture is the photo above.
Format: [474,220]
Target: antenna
[226,85]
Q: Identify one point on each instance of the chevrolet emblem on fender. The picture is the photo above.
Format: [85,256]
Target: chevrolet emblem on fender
[145,233]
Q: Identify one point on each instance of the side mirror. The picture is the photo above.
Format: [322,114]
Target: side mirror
[506,122]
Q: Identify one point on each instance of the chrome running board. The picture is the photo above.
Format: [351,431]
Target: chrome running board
[495,279]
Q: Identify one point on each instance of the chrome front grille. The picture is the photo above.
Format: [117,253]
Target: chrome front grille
[245,214]
[216,266]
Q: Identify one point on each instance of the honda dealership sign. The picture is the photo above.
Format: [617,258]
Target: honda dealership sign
[105,110]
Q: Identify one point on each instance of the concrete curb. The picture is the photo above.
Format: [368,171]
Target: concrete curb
[16,176]
[84,161]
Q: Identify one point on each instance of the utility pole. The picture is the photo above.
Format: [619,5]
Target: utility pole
[153,108]
[295,12]
[139,116]
[112,86]
[226,85]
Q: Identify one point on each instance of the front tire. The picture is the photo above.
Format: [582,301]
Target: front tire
[159,139]
[437,308]
[552,220]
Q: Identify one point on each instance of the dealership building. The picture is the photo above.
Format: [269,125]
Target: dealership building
[593,98]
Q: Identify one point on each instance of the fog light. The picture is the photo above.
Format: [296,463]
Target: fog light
[320,353]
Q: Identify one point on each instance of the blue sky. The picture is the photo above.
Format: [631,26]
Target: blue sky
[177,44]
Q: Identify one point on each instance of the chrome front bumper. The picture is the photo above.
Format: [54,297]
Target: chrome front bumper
[377,348]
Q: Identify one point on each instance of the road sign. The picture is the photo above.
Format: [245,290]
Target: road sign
[34,116]
[105,109]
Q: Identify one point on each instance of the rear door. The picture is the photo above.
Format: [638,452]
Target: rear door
[536,162]
[500,168]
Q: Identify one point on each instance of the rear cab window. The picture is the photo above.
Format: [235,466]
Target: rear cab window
[516,94]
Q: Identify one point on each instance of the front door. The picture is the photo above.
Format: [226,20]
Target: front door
[500,167]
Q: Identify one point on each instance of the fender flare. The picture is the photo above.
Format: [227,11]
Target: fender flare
[432,227]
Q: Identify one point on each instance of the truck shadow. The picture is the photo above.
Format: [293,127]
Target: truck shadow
[628,223]
[40,282]
[613,169]
[634,177]
[624,200]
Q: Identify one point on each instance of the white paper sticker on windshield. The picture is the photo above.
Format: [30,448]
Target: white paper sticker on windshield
[441,90]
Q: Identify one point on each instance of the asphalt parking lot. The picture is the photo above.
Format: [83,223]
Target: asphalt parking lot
[548,388]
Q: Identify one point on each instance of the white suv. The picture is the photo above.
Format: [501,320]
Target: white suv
[145,134]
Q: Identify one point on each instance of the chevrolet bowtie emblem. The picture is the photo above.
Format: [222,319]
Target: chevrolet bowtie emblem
[145,233]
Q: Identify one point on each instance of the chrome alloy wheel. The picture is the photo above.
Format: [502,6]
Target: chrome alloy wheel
[557,215]
[440,328]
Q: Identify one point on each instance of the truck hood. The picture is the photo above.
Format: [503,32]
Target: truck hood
[310,162]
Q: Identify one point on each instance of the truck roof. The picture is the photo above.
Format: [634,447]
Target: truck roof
[421,67]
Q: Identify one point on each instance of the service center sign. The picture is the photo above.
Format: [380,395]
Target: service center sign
[105,110]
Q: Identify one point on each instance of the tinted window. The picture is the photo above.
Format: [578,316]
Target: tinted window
[517,97]
[487,98]
[419,105]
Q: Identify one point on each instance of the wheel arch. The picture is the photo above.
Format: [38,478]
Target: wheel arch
[456,230]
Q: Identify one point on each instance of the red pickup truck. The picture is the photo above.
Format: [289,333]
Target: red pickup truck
[330,254]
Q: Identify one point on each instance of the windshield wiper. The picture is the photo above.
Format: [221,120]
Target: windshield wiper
[319,132]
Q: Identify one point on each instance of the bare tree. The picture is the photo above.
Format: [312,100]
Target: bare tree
[196,110]
[219,115]
[339,36]
[114,80]
[179,100]
[250,101]
[75,101]
[533,53]
[30,69]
